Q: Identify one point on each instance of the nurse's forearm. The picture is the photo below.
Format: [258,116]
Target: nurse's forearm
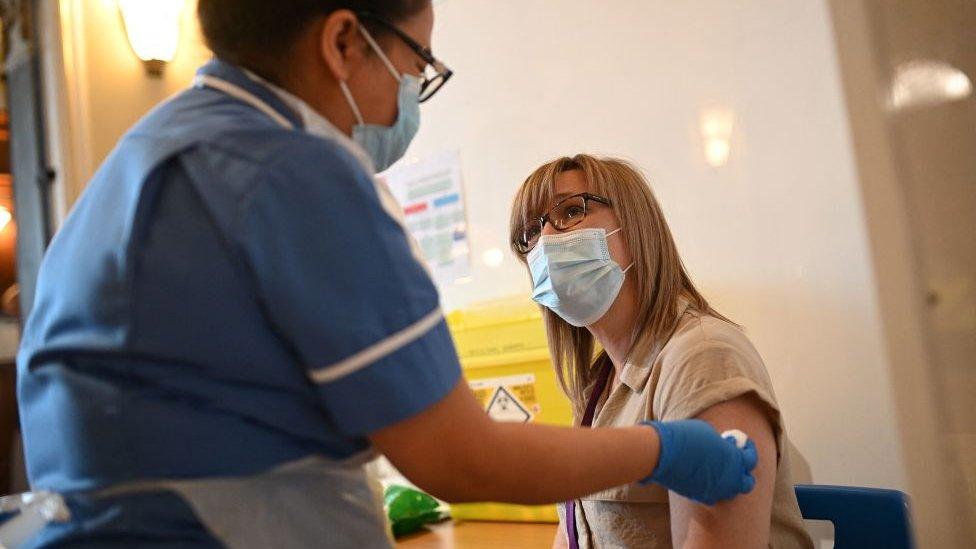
[537,464]
[454,451]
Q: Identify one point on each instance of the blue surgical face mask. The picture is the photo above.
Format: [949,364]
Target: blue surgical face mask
[574,276]
[387,144]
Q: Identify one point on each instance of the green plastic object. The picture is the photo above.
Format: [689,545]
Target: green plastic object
[409,509]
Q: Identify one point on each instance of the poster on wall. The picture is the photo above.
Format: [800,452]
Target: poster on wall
[431,193]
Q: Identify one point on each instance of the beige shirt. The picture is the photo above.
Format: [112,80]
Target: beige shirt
[706,361]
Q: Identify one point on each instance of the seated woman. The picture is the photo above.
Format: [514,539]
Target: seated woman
[605,269]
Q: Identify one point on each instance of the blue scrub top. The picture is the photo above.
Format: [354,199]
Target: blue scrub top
[226,296]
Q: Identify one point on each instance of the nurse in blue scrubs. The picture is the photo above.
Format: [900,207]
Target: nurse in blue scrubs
[232,320]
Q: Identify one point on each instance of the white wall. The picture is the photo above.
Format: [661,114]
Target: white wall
[776,238]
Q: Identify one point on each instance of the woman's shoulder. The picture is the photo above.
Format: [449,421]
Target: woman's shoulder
[699,332]
[708,360]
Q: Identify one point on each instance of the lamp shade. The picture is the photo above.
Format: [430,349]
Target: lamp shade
[153,28]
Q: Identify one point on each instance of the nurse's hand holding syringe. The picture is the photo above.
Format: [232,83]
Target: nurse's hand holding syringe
[456,452]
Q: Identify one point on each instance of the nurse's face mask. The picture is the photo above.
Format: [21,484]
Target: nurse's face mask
[387,144]
[573,274]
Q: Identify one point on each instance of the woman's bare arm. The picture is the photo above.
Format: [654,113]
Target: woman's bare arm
[744,521]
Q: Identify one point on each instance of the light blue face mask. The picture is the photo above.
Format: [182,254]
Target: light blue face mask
[387,144]
[574,276]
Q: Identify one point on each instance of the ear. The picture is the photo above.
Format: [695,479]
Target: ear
[341,45]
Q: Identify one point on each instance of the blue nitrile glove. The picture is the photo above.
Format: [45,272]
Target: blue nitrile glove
[696,462]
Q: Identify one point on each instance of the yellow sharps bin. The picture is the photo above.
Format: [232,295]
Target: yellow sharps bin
[502,346]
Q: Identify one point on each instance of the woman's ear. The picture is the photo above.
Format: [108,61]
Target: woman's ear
[340,43]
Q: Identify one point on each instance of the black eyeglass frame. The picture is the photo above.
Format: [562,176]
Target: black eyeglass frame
[443,72]
[526,248]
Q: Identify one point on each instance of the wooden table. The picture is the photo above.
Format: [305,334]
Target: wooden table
[481,535]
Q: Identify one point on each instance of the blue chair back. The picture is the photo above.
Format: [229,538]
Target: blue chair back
[862,517]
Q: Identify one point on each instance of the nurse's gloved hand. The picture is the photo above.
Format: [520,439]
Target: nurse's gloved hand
[696,462]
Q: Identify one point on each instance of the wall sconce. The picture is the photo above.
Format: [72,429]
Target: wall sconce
[153,29]
[716,129]
[5,217]
[926,83]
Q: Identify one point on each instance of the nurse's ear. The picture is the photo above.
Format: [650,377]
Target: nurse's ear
[341,45]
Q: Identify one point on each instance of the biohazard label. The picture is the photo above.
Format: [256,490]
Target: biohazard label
[509,398]
[505,407]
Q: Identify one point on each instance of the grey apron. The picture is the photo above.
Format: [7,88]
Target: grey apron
[311,502]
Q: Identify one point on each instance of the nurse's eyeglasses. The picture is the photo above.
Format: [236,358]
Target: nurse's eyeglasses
[567,213]
[436,73]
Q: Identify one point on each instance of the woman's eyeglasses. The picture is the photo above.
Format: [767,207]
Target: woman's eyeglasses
[436,73]
[567,213]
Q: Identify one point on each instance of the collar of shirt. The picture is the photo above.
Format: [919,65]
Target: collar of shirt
[635,376]
[314,123]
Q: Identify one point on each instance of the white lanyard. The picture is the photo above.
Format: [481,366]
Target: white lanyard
[237,92]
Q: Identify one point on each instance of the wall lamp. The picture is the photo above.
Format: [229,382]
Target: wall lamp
[716,130]
[153,29]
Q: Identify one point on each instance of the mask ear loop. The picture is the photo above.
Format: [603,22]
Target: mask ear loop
[613,233]
[352,102]
[386,61]
[379,51]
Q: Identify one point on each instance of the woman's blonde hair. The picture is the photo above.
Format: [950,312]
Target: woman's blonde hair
[660,276]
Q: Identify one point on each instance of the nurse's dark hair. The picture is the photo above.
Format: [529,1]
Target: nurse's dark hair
[259,33]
